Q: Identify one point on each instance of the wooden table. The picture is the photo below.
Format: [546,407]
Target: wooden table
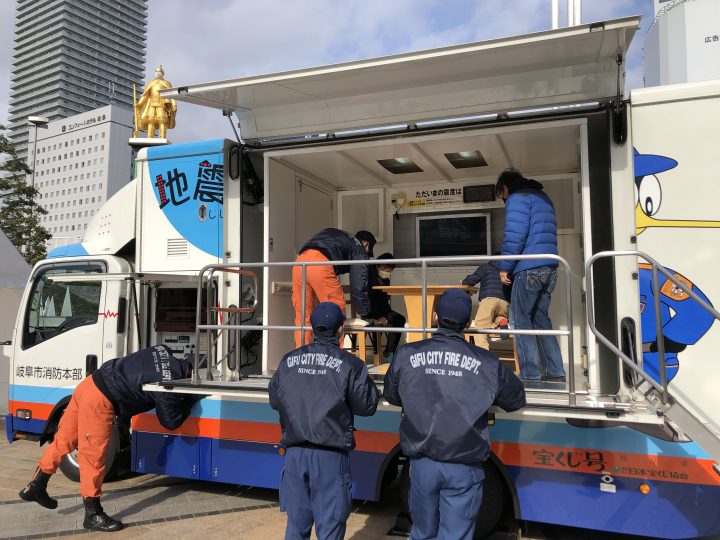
[413,303]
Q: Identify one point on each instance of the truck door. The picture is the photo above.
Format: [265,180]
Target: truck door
[314,211]
[59,333]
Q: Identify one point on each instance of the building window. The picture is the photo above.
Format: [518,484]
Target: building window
[102,135]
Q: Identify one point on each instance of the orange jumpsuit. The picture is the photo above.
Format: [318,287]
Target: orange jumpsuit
[321,281]
[87,425]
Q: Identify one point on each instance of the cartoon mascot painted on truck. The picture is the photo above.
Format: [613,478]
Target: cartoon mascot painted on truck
[684,321]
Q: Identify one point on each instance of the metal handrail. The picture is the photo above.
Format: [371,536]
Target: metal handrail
[424,263]
[661,387]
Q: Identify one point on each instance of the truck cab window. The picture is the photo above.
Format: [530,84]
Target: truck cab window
[58,304]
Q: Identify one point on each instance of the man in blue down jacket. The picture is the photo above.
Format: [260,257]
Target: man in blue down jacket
[317,389]
[445,386]
[530,228]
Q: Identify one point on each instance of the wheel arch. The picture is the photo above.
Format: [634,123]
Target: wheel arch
[509,484]
[53,420]
[391,456]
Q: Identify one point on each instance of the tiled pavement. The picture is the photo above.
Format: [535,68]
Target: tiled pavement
[156,507]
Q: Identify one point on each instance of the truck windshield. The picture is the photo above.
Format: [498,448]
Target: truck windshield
[58,304]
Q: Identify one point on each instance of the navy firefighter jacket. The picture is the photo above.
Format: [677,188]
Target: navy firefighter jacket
[445,386]
[317,389]
[338,245]
[121,381]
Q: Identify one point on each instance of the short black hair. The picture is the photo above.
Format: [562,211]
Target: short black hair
[509,177]
[451,324]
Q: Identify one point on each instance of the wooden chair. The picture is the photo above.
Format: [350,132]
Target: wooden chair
[357,335]
[504,348]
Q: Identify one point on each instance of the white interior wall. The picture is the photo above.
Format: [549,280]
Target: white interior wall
[539,148]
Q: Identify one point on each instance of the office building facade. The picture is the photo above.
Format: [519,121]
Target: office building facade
[80,162]
[683,42]
[72,56]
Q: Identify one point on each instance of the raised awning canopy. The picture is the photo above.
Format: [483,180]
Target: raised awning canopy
[556,67]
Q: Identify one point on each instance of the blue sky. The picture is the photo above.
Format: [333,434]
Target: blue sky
[225,39]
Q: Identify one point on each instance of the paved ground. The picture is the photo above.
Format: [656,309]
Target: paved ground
[156,506]
[159,507]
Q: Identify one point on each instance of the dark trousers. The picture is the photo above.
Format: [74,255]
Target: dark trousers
[395,320]
[316,487]
[444,499]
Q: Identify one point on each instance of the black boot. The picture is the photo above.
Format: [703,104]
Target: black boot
[96,518]
[36,490]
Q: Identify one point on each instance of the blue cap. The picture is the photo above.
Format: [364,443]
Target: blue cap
[454,306]
[327,316]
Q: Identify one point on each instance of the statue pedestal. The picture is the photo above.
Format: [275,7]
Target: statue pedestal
[136,143]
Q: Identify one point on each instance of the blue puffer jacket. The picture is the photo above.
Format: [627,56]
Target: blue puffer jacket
[530,228]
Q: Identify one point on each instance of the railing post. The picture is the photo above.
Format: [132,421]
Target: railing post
[303,270]
[423,278]
[572,397]
[198,319]
[659,335]
[210,358]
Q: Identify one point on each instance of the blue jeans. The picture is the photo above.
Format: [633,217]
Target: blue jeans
[444,499]
[529,306]
[316,487]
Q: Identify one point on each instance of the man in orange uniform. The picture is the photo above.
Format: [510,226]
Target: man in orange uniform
[322,280]
[115,389]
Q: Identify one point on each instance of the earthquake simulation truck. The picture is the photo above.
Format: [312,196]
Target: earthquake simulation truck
[196,252]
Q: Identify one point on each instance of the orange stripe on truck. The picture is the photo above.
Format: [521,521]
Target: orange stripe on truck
[40,411]
[262,432]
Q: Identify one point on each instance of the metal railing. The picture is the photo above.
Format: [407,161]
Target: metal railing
[205,279]
[662,386]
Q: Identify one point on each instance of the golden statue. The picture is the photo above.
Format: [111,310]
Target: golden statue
[152,111]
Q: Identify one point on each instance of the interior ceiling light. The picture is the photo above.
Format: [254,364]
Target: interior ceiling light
[401,165]
[466,159]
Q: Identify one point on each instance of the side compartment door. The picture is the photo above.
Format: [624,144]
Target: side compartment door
[314,211]
[60,327]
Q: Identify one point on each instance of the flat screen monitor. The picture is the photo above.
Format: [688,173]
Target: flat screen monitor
[453,235]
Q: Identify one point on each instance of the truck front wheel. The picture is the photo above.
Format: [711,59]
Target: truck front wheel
[71,468]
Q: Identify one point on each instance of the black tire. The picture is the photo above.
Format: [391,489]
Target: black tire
[493,503]
[492,507]
[405,488]
[391,472]
[70,468]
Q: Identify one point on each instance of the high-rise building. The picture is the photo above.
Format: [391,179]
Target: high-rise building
[80,162]
[72,56]
[683,42]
